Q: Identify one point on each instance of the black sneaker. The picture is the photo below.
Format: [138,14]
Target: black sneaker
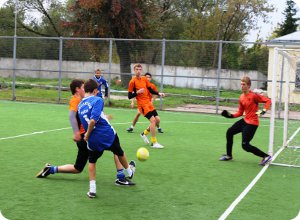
[225,158]
[91,195]
[160,130]
[45,171]
[129,129]
[124,182]
[132,167]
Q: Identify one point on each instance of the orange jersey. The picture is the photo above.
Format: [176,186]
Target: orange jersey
[248,103]
[74,101]
[136,84]
[153,87]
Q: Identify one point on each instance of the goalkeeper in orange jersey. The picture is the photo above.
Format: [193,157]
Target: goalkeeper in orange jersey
[248,104]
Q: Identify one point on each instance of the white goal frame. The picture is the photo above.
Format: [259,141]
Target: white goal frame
[283,52]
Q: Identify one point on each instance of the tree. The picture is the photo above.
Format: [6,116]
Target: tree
[289,25]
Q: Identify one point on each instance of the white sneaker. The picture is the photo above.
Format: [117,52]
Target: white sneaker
[157,145]
[144,137]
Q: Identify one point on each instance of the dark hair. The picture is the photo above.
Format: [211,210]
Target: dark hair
[90,85]
[76,83]
[148,74]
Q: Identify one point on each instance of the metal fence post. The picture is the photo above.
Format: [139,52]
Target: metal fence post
[14,69]
[163,54]
[109,66]
[218,79]
[60,68]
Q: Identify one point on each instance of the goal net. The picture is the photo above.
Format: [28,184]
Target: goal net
[284,89]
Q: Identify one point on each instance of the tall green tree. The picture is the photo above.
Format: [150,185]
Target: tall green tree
[289,25]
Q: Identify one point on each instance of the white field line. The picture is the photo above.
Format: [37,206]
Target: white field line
[253,182]
[119,123]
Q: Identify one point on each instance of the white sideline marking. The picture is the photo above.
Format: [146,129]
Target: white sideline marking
[33,133]
[254,181]
[243,194]
[2,217]
[119,123]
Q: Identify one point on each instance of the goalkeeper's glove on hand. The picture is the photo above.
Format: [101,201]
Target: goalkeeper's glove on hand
[261,112]
[226,114]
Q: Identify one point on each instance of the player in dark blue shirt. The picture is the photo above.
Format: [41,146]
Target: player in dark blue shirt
[100,135]
[101,82]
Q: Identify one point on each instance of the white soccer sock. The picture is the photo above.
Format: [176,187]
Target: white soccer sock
[93,186]
[129,171]
[132,126]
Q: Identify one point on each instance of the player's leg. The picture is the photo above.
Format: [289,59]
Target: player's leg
[135,120]
[151,117]
[121,161]
[247,135]
[157,118]
[81,160]
[93,157]
[233,130]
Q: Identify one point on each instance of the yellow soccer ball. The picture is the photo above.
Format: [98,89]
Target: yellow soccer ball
[142,154]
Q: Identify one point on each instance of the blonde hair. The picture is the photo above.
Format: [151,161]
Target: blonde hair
[137,65]
[247,80]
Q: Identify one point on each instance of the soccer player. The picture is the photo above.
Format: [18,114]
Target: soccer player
[151,98]
[77,90]
[101,82]
[139,88]
[248,104]
[100,135]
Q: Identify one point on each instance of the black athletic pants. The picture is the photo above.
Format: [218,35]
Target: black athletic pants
[248,132]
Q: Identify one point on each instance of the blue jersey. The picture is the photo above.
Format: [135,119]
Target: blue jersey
[101,81]
[103,134]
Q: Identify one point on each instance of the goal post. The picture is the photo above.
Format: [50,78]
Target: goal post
[284,134]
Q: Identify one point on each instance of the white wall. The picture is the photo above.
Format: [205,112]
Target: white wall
[173,75]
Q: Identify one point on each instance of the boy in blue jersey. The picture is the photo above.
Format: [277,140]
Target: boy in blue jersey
[77,89]
[101,82]
[100,135]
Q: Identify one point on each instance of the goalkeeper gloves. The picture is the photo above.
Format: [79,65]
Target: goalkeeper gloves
[261,112]
[226,114]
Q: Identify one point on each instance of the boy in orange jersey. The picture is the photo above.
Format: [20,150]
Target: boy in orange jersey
[140,88]
[248,104]
[151,98]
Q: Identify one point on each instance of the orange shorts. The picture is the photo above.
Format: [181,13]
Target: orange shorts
[145,108]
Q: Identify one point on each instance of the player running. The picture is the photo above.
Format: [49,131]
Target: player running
[151,98]
[140,88]
[248,104]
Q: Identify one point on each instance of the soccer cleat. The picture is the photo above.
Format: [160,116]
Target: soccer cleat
[45,171]
[157,146]
[129,129]
[225,158]
[124,182]
[132,167]
[144,137]
[265,160]
[91,195]
[160,130]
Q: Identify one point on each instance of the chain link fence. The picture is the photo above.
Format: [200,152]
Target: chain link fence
[193,70]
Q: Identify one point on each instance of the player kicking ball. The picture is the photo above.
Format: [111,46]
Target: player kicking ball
[100,135]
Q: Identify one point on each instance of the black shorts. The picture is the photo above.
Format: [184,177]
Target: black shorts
[82,154]
[150,114]
[115,148]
